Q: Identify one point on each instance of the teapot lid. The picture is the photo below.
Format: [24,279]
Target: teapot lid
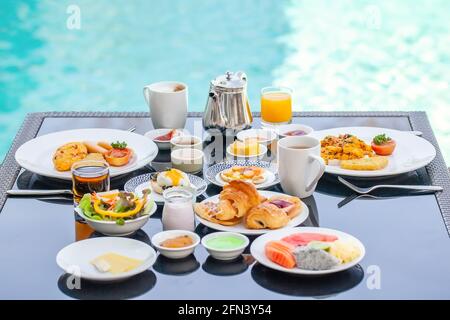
[231,80]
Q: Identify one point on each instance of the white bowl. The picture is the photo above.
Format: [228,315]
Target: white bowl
[175,253]
[225,254]
[266,137]
[111,228]
[259,156]
[163,145]
[283,129]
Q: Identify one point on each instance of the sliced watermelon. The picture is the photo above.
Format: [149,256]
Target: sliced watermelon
[302,239]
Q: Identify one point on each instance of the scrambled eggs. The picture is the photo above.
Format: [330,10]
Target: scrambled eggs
[344,147]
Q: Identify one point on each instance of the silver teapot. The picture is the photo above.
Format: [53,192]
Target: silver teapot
[227,108]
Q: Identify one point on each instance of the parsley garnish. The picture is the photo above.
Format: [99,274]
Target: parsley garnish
[119,145]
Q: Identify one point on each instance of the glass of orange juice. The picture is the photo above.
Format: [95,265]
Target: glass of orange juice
[276,105]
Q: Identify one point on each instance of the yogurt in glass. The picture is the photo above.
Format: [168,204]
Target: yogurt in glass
[178,211]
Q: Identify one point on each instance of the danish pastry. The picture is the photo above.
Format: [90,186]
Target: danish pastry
[266,216]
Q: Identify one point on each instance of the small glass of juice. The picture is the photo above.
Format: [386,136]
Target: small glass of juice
[276,105]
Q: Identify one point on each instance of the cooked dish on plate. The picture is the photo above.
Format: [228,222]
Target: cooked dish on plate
[161,181]
[239,201]
[311,251]
[383,145]
[246,173]
[117,206]
[352,153]
[344,147]
[116,154]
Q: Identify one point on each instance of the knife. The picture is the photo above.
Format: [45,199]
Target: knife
[31,192]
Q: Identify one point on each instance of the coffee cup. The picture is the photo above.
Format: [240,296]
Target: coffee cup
[186,142]
[168,104]
[299,165]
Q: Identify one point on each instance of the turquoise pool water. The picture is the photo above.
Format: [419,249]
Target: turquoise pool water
[337,55]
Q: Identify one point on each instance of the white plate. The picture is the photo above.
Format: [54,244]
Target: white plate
[270,175]
[240,228]
[142,182]
[411,152]
[77,257]
[257,249]
[36,155]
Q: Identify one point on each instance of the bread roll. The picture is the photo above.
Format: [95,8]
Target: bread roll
[92,147]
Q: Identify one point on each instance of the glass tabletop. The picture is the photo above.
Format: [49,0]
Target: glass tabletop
[407,244]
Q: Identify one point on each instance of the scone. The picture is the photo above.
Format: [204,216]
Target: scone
[69,153]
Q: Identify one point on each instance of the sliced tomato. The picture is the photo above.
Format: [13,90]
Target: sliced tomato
[385,149]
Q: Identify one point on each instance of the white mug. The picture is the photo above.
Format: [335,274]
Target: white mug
[168,106]
[299,165]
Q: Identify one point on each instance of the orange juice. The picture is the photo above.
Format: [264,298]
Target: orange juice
[276,107]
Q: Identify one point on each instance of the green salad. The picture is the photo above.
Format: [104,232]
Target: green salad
[118,206]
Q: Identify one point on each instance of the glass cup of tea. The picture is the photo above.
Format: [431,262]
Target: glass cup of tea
[276,106]
[89,176]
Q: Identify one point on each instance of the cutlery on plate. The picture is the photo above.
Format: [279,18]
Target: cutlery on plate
[24,192]
[132,129]
[388,186]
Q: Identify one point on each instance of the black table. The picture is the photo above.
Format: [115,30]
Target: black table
[406,238]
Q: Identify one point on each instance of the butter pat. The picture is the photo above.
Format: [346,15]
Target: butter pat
[115,263]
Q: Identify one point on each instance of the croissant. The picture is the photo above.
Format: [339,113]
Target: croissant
[248,188]
[266,215]
[209,210]
[291,205]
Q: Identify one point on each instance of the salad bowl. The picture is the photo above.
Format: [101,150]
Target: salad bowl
[111,226]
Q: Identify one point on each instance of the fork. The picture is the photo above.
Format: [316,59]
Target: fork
[388,186]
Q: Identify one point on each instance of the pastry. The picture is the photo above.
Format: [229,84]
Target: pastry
[209,210]
[69,153]
[235,200]
[266,215]
[291,205]
[95,157]
[246,173]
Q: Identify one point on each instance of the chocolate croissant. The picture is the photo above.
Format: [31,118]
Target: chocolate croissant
[266,215]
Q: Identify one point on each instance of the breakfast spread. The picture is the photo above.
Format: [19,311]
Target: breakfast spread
[311,251]
[117,206]
[177,242]
[115,263]
[246,173]
[116,154]
[161,181]
[239,201]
